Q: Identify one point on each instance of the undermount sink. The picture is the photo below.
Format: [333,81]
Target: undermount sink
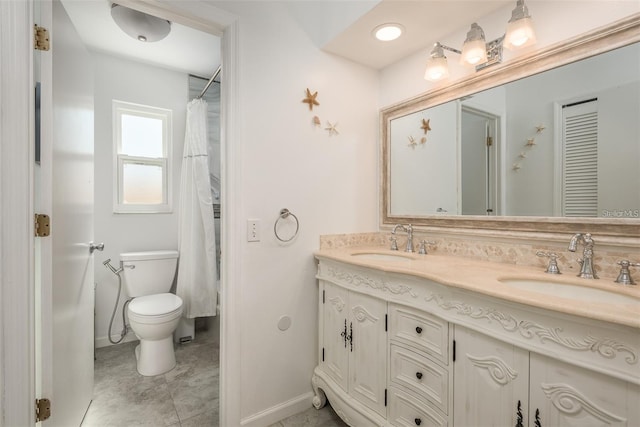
[375,256]
[566,290]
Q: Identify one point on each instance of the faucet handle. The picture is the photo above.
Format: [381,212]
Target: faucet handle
[624,277]
[552,268]
[423,246]
[394,243]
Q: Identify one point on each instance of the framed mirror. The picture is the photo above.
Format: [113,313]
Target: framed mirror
[549,142]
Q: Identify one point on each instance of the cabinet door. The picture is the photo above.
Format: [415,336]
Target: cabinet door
[368,351]
[335,313]
[491,381]
[566,395]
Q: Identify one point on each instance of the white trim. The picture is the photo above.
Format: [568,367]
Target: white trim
[104,340]
[16,213]
[231,226]
[280,411]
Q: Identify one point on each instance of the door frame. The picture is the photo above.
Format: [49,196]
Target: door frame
[496,177]
[16,212]
[17,293]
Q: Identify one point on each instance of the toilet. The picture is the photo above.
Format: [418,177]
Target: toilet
[153,312]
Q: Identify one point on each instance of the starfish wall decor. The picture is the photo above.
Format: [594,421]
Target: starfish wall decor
[332,128]
[426,127]
[531,142]
[311,99]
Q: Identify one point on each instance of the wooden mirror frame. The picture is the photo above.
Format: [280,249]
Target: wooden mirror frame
[618,34]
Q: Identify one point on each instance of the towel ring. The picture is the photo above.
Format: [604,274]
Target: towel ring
[285,213]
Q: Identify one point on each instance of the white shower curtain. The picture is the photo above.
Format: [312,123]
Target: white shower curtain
[197,241]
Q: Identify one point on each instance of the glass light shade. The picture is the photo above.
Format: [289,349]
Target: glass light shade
[437,69]
[474,52]
[520,33]
[139,25]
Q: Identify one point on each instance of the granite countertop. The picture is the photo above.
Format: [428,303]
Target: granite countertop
[487,278]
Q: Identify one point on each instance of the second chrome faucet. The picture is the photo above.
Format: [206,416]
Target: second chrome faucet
[586,271]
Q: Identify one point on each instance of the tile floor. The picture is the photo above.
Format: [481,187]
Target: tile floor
[186,396]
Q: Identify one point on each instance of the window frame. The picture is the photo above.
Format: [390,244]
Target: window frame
[121,108]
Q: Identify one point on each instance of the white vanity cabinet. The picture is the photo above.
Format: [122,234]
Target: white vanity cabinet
[354,345]
[491,381]
[419,368]
[565,395]
[499,384]
[401,350]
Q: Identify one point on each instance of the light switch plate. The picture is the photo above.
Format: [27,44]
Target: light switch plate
[253,230]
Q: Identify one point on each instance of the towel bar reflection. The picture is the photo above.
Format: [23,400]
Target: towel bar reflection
[284,214]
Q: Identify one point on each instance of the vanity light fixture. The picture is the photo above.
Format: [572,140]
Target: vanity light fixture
[479,53]
[388,32]
[139,25]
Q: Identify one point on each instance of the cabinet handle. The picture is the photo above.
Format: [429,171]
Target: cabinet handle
[418,329]
[418,421]
[537,422]
[343,334]
[519,415]
[419,375]
[351,335]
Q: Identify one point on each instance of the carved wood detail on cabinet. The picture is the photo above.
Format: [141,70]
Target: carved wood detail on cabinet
[410,376]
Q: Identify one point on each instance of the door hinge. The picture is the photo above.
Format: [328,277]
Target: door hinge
[489,141]
[453,350]
[43,409]
[42,225]
[323,354]
[40,38]
[386,322]
[385,397]
[323,291]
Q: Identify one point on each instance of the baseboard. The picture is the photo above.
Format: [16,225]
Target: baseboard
[104,341]
[279,412]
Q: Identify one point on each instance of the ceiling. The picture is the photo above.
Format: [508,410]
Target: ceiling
[196,52]
[184,49]
[424,21]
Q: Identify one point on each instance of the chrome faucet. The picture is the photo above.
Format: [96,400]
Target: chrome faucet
[586,271]
[409,230]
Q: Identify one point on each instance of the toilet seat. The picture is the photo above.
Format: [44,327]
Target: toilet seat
[157,308]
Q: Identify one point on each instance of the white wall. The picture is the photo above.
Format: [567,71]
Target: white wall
[329,182]
[554,20]
[116,78]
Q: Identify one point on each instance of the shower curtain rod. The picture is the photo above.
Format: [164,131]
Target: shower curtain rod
[209,82]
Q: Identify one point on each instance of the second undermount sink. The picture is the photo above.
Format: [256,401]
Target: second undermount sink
[376,256]
[569,291]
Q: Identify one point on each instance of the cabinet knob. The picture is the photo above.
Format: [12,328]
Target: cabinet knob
[418,329]
[418,421]
[419,375]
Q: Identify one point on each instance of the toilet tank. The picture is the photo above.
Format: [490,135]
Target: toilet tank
[148,273]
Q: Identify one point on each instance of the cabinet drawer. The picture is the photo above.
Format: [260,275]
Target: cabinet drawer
[425,332]
[426,378]
[406,411]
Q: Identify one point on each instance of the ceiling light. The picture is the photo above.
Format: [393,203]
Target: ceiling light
[139,25]
[388,32]
[476,51]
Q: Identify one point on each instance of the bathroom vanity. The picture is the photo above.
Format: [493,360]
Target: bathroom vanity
[429,340]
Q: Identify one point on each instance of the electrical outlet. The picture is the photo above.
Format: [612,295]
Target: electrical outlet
[253,230]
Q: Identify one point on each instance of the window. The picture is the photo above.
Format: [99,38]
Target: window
[142,147]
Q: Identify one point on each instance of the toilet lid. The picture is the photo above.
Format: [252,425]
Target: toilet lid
[154,305]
